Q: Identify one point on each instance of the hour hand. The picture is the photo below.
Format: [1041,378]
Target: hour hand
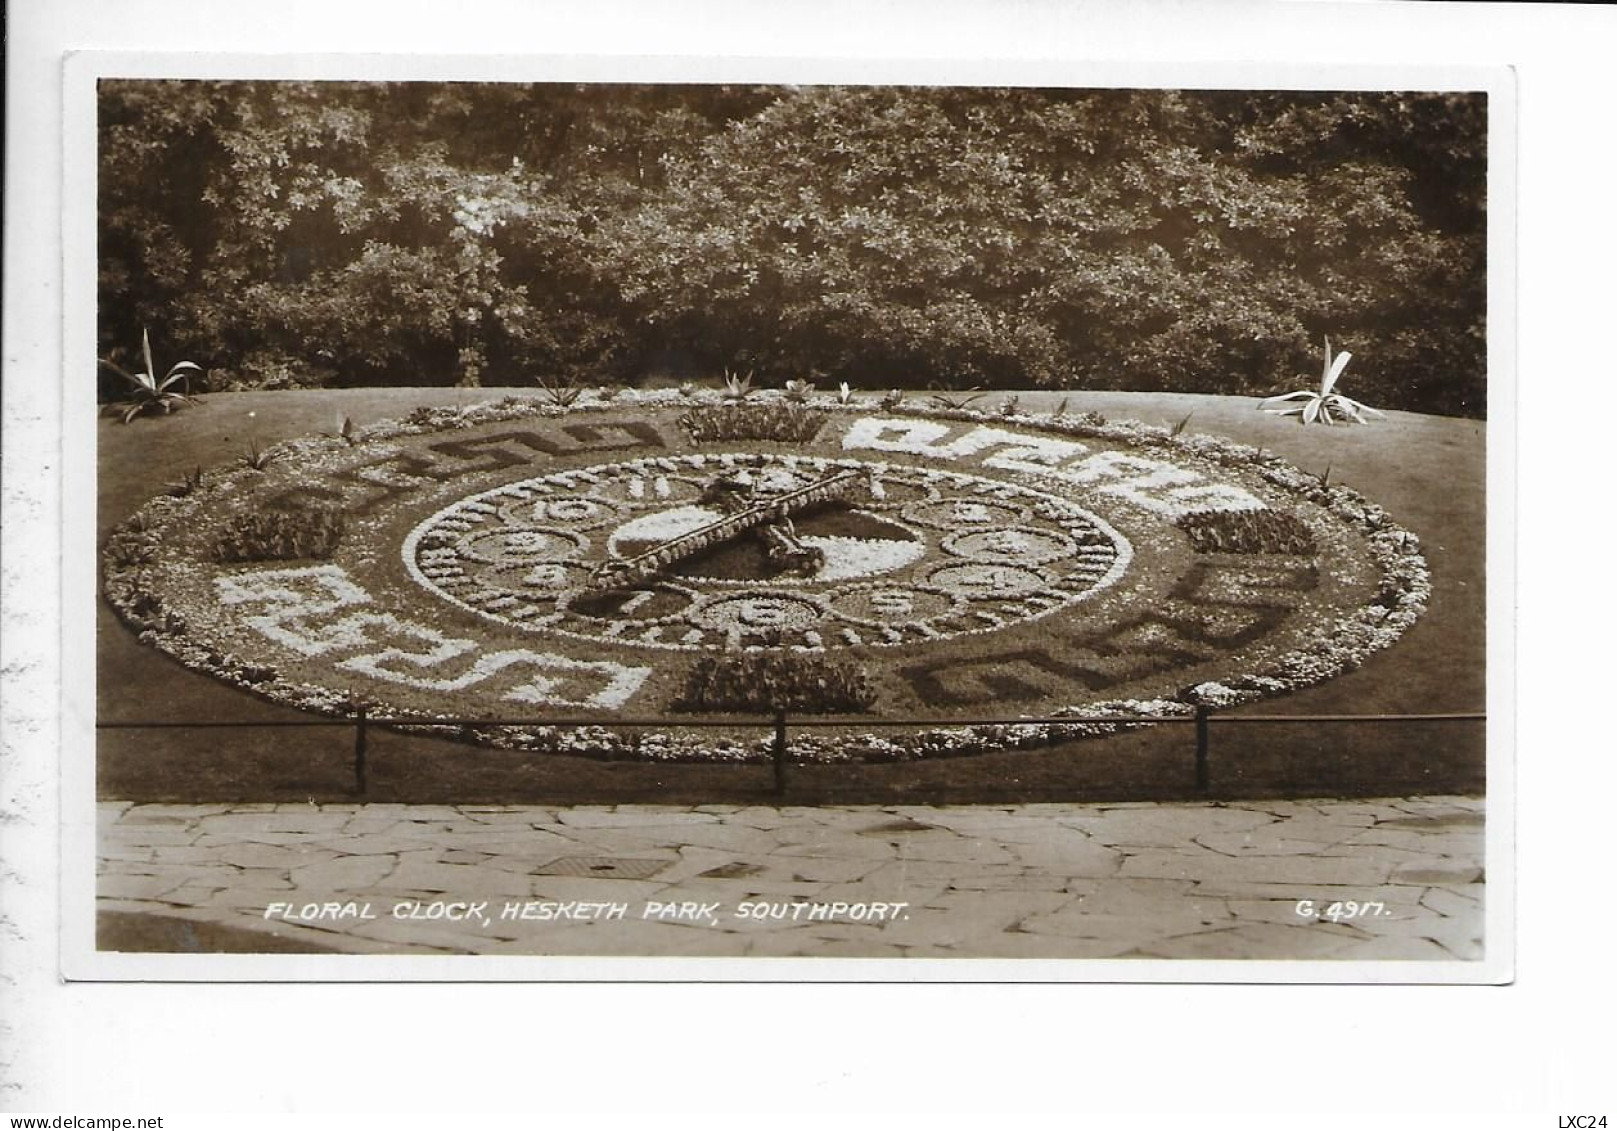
[773,510]
[787,552]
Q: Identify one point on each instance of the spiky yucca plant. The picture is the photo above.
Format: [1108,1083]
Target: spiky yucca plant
[1319,404]
[147,392]
[559,390]
[947,400]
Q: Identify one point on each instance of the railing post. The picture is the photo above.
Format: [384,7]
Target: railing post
[1202,715]
[780,753]
[359,751]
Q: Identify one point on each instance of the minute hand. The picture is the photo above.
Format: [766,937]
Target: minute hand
[621,574]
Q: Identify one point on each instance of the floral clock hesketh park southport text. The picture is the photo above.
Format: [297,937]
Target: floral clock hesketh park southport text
[526,561]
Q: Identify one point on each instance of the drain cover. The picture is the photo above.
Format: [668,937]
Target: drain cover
[603,867]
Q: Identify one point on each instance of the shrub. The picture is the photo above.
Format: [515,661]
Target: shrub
[281,534]
[190,481]
[1185,241]
[1247,532]
[807,683]
[271,369]
[782,423]
[256,458]
[130,547]
[434,233]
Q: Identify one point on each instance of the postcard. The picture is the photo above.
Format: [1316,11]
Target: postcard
[548,519]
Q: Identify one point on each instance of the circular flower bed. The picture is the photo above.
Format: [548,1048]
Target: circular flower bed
[651,553]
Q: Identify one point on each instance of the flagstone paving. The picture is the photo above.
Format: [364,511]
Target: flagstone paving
[1136,880]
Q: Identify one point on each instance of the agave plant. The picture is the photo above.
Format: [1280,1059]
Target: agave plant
[737,386]
[192,481]
[257,458]
[799,391]
[946,400]
[1319,404]
[560,390]
[147,393]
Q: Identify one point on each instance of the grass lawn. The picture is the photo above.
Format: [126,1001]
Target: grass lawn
[1429,472]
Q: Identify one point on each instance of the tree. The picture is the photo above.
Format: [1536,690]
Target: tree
[284,233]
[1150,240]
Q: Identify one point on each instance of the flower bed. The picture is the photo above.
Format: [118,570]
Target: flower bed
[991,566]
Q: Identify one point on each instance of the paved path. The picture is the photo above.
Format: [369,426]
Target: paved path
[1207,881]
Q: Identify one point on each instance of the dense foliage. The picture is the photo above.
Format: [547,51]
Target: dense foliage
[301,234]
[803,683]
[270,534]
[1246,532]
[784,424]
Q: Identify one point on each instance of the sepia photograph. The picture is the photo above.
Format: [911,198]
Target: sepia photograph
[900,521]
[989,559]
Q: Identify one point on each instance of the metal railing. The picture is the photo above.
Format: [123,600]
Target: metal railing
[781,722]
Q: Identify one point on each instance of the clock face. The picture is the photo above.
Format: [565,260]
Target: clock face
[924,555]
[519,561]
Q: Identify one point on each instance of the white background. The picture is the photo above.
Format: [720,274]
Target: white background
[1539,1046]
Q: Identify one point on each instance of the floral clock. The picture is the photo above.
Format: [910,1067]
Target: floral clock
[525,561]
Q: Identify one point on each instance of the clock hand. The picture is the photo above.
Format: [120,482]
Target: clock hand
[778,509]
[786,552]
